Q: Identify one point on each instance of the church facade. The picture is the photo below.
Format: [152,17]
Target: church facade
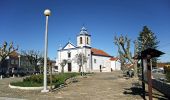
[96,60]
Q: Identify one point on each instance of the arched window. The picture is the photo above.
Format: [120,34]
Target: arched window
[87,40]
[81,40]
[69,54]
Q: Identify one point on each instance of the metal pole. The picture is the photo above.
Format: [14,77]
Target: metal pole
[19,61]
[47,13]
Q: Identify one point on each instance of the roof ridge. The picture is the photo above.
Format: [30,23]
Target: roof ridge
[99,52]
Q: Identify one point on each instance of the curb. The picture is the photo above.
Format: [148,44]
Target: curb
[27,88]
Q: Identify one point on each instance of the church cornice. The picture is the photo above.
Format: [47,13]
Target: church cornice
[83,35]
[100,55]
[75,48]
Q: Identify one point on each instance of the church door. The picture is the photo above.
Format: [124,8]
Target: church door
[100,68]
[69,67]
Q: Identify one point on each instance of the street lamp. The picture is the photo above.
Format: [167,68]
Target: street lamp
[19,56]
[47,13]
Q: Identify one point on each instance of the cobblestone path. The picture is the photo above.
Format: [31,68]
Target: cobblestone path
[98,86]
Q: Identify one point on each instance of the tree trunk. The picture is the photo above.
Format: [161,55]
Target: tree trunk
[50,78]
[135,69]
[79,69]
[62,70]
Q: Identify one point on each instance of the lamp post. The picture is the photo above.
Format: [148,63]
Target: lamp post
[47,13]
[19,56]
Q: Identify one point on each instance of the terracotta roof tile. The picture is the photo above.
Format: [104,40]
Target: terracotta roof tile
[99,52]
[113,59]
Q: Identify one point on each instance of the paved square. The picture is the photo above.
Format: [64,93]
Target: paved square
[98,86]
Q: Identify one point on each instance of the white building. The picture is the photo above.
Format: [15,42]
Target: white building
[97,60]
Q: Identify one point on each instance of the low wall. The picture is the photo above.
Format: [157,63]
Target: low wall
[161,86]
[27,88]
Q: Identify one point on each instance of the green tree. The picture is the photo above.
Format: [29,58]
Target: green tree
[147,39]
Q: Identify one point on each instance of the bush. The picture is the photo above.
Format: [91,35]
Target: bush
[37,80]
[27,84]
[40,78]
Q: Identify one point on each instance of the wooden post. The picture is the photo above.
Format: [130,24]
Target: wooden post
[143,83]
[149,77]
[150,53]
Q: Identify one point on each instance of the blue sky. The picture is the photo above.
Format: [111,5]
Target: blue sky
[23,22]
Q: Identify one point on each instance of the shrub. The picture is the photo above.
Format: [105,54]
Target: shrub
[27,84]
[40,78]
[37,80]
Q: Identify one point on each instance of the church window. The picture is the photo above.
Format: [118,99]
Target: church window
[87,40]
[56,67]
[81,40]
[94,60]
[69,54]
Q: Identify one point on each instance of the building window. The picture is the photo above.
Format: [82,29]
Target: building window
[56,67]
[94,60]
[87,40]
[69,54]
[81,41]
[12,61]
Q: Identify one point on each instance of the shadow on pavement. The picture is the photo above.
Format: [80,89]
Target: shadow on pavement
[138,91]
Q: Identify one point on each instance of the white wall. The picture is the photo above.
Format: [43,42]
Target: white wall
[84,39]
[103,61]
[69,46]
[115,65]
[63,54]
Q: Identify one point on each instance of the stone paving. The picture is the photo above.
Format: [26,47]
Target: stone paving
[98,86]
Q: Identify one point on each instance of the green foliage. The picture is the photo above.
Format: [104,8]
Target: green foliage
[26,84]
[147,39]
[37,80]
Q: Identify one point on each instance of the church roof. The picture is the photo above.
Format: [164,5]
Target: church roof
[99,52]
[69,45]
[114,59]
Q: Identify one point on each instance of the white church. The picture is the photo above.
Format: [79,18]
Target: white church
[96,60]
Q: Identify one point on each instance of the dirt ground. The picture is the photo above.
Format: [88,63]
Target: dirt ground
[97,86]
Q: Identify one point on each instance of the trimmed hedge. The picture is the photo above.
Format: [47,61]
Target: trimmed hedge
[37,80]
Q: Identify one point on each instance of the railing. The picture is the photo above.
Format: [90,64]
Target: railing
[161,86]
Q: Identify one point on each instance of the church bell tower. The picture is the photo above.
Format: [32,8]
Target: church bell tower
[83,39]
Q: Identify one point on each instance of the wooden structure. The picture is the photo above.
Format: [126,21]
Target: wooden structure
[148,54]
